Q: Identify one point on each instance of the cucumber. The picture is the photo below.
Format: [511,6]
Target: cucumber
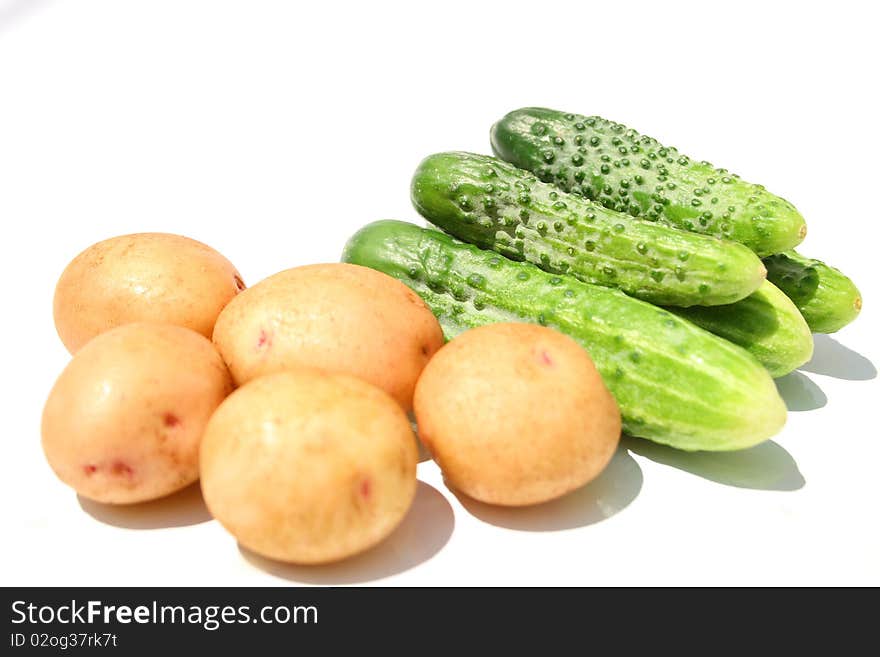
[485,201]
[674,382]
[628,172]
[826,297]
[766,324]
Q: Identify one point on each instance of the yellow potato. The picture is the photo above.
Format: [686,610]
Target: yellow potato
[308,467]
[516,414]
[124,420]
[145,277]
[334,317]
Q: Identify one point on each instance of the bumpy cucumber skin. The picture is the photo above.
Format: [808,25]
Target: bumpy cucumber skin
[488,202]
[766,324]
[674,382]
[825,296]
[628,172]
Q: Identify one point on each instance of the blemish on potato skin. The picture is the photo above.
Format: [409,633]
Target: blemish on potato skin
[366,488]
[121,469]
[170,420]
[545,358]
[264,341]
[239,283]
[414,299]
[89,469]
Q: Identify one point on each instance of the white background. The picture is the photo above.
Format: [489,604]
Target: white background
[273,130]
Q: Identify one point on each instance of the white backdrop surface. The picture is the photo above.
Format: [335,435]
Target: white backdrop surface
[273,130]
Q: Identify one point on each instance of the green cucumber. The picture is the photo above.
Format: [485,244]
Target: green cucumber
[487,202]
[674,382]
[766,324]
[628,172]
[826,298]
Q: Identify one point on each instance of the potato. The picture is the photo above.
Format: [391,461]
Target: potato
[146,277]
[124,420]
[516,414]
[334,317]
[308,467]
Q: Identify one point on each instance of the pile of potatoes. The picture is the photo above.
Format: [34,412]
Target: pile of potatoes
[289,400]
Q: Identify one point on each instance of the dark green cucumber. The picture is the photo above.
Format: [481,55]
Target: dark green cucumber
[674,382]
[766,324]
[826,298]
[628,172]
[487,202]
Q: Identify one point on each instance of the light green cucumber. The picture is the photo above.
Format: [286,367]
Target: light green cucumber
[628,172]
[766,324]
[674,382]
[826,297]
[487,202]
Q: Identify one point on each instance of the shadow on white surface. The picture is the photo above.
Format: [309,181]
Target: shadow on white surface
[422,534]
[603,497]
[14,11]
[767,466]
[833,359]
[800,393]
[181,509]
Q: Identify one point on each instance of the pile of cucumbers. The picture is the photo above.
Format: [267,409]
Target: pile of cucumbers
[678,277]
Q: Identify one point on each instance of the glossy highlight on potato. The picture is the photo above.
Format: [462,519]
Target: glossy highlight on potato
[334,317]
[308,467]
[124,420]
[143,277]
[516,414]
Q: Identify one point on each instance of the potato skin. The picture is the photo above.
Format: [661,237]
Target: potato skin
[309,467]
[516,414]
[124,420]
[143,277]
[335,317]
